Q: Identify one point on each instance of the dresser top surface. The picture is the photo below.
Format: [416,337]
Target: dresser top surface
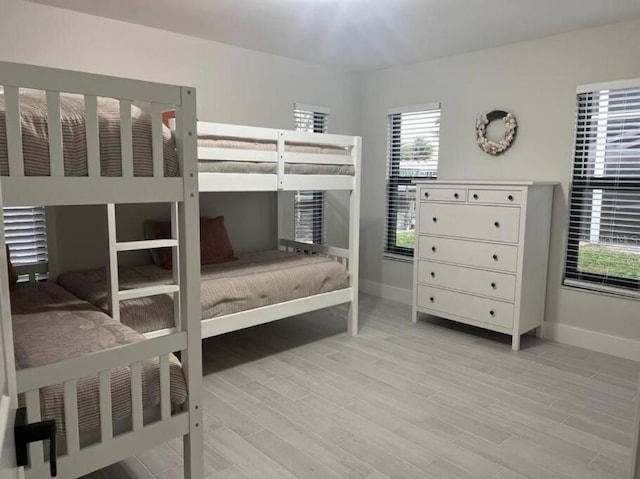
[487,182]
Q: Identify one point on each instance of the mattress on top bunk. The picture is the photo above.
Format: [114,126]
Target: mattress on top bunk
[249,167]
[254,280]
[35,138]
[51,325]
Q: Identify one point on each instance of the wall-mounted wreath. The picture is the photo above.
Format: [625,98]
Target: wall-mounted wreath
[496,148]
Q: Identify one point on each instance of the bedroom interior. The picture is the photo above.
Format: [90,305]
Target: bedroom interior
[418,239]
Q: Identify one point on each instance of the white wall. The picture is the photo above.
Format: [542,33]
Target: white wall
[234,85]
[537,82]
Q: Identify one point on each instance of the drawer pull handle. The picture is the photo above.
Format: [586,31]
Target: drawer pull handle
[510,197]
[433,248]
[492,312]
[426,194]
[475,196]
[494,285]
[495,257]
[432,299]
[433,275]
[496,224]
[435,220]
[456,196]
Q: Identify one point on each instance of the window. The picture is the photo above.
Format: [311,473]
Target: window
[309,206]
[603,246]
[25,232]
[412,153]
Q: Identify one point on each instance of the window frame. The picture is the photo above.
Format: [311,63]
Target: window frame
[395,181]
[580,184]
[320,117]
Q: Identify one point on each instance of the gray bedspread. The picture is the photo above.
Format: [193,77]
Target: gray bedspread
[35,138]
[51,325]
[254,280]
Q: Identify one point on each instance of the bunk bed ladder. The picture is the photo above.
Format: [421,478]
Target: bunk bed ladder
[115,293]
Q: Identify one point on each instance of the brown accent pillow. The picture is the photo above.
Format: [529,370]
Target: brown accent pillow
[215,245]
[11,272]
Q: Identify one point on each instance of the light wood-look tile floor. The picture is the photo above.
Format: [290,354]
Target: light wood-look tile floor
[299,398]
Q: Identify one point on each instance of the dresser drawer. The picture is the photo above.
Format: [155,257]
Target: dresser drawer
[500,197]
[443,194]
[469,253]
[492,223]
[466,306]
[487,283]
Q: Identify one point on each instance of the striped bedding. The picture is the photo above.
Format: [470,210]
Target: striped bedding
[35,138]
[254,280]
[225,166]
[51,325]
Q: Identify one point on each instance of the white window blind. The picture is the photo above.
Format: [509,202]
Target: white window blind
[309,206]
[25,230]
[603,244]
[412,153]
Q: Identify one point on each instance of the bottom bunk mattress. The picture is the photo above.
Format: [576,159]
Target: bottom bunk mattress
[254,280]
[52,325]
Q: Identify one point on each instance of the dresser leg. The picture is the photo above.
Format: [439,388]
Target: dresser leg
[539,332]
[515,342]
[414,316]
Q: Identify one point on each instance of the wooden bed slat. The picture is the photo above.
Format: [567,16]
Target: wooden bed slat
[146,244]
[165,388]
[146,291]
[175,258]
[156,140]
[106,421]
[14,131]
[113,282]
[71,416]
[32,400]
[126,138]
[56,158]
[136,396]
[93,135]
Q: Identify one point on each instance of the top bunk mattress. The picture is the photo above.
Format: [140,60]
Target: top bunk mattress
[51,325]
[226,166]
[35,138]
[254,280]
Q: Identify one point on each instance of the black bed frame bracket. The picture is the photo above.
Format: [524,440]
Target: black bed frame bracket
[26,433]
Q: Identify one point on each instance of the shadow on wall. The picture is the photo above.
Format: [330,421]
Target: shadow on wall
[81,231]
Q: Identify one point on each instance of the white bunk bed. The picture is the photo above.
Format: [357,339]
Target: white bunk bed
[18,189]
[229,157]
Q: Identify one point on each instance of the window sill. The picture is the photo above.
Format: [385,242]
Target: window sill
[581,287]
[397,257]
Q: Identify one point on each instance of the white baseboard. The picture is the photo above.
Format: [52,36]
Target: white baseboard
[385,291]
[585,338]
[562,333]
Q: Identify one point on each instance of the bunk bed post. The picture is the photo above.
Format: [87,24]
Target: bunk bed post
[354,239]
[112,264]
[189,268]
[8,380]
[280,213]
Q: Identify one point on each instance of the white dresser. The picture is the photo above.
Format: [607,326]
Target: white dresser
[481,253]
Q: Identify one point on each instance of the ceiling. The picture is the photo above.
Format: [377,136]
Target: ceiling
[363,34]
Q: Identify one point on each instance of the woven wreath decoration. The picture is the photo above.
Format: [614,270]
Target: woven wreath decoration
[495,148]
